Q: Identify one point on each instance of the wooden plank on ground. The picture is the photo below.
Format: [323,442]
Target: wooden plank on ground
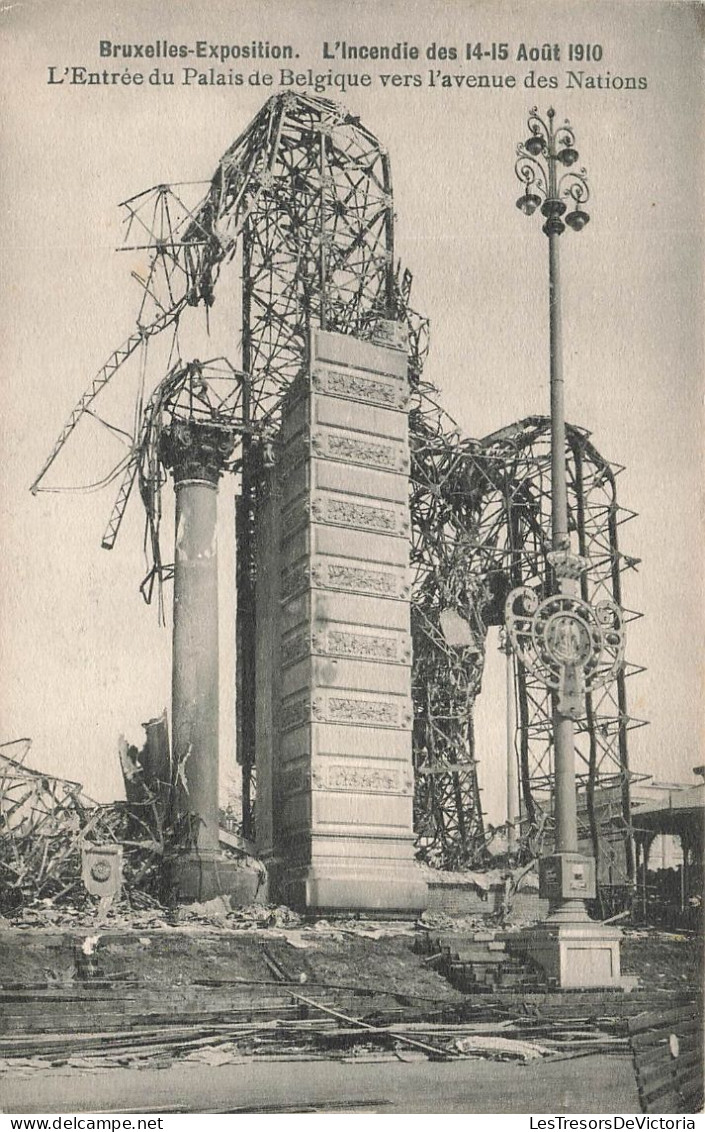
[668,1059]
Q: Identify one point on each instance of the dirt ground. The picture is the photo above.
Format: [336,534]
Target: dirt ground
[176,957]
[331,1087]
[115,1017]
[375,957]
[664,960]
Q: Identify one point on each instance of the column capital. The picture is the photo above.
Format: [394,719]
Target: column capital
[196,450]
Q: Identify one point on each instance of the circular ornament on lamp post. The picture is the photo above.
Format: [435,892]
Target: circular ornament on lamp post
[569,645]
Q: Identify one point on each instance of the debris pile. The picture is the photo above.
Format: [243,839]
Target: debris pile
[45,824]
[44,821]
[321,1032]
[48,823]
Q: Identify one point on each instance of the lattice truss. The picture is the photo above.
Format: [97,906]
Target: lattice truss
[446,678]
[508,475]
[44,820]
[302,204]
[303,197]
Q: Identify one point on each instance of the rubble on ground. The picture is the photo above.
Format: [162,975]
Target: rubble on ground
[46,822]
[96,984]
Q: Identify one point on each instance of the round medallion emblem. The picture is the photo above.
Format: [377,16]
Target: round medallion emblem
[100,871]
[567,639]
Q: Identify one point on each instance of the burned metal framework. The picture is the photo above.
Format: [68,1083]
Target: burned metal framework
[445,678]
[509,476]
[45,824]
[480,520]
[303,201]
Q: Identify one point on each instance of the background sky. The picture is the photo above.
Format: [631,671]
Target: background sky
[83,658]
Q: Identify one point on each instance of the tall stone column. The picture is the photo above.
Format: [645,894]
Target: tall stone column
[196,453]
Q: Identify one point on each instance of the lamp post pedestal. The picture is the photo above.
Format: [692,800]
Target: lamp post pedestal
[573,950]
[583,953]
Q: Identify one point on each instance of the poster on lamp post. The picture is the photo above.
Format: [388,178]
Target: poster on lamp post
[189,193]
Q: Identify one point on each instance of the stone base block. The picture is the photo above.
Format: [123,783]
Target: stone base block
[582,954]
[194,878]
[323,888]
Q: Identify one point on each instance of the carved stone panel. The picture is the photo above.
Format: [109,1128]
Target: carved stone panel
[389,648]
[294,780]
[374,390]
[362,779]
[295,518]
[296,452]
[295,647]
[295,579]
[369,451]
[294,712]
[353,577]
[347,643]
[334,707]
[345,777]
[391,519]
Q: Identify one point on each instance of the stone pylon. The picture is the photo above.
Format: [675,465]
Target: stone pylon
[333,712]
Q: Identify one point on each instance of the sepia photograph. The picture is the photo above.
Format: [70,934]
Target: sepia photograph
[352,642]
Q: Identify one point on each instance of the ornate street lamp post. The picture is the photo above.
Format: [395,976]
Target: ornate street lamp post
[540,164]
[570,645]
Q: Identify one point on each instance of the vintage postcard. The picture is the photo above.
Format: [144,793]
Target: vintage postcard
[352,624]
